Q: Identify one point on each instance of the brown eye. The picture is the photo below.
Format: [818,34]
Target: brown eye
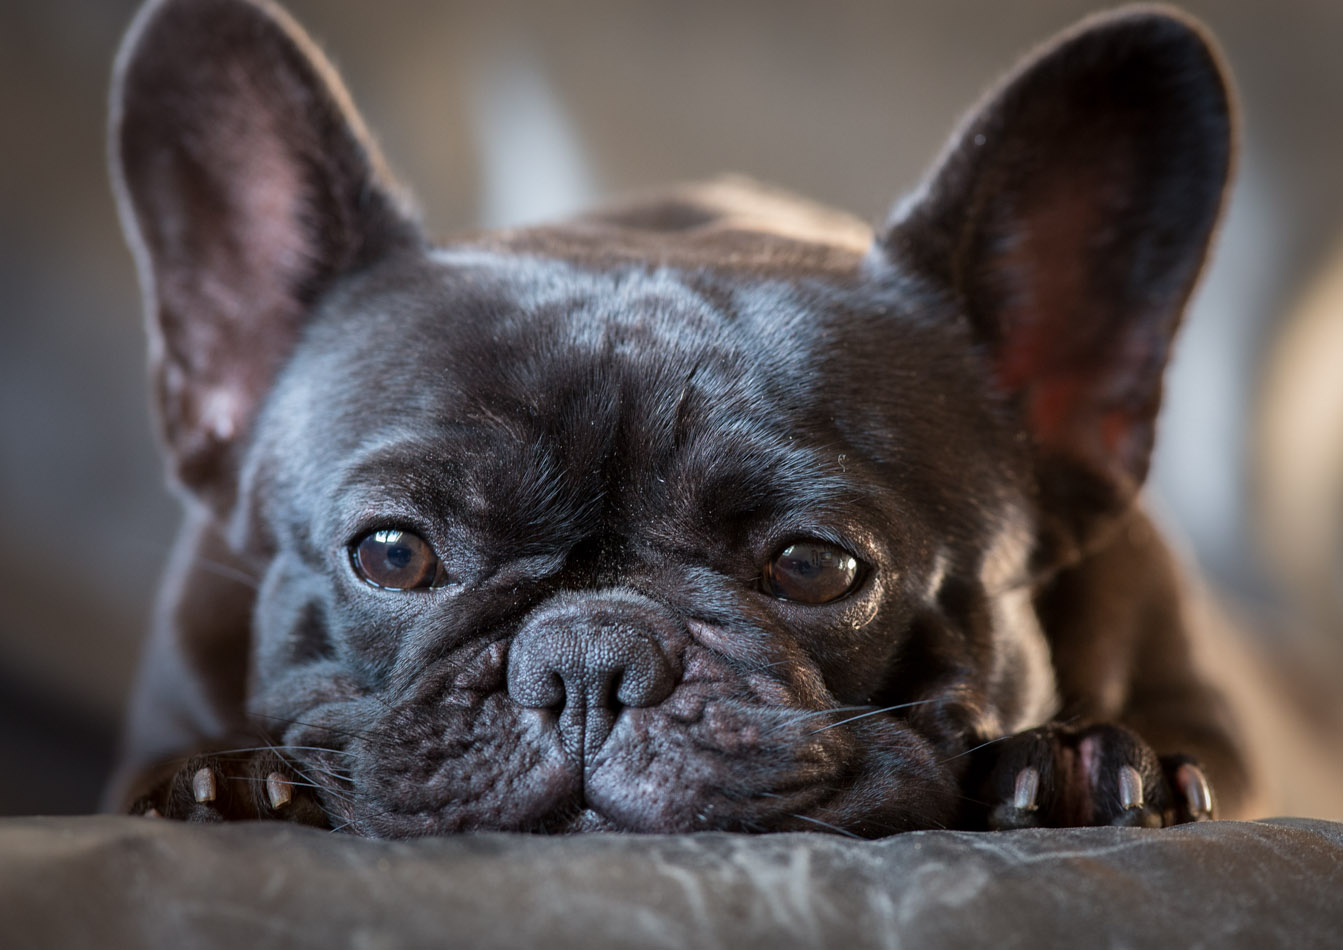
[397,560]
[810,572]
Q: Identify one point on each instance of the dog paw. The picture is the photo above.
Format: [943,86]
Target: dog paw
[240,785]
[1056,776]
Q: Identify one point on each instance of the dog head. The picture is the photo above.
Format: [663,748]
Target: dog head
[715,510]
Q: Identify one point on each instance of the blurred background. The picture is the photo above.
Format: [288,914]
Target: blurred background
[499,113]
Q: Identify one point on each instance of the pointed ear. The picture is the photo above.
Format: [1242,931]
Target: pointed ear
[1069,220]
[247,185]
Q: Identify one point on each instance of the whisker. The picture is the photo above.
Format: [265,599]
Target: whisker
[976,748]
[835,828]
[804,716]
[359,818]
[795,717]
[254,780]
[333,730]
[270,747]
[874,712]
[313,748]
[330,773]
[228,572]
[313,783]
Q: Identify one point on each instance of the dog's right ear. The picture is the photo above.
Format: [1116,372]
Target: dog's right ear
[246,185]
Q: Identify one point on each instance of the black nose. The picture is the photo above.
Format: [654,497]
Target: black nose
[588,660]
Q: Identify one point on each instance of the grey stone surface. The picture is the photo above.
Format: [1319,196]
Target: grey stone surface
[126,882]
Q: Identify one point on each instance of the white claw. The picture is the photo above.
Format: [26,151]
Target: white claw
[1130,788]
[203,785]
[152,813]
[1027,788]
[278,790]
[1197,793]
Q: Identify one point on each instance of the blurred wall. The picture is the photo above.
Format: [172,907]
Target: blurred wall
[499,112]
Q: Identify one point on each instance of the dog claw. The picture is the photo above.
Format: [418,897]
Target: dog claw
[1132,798]
[203,785]
[1197,793]
[151,813]
[1027,789]
[1130,788]
[278,790]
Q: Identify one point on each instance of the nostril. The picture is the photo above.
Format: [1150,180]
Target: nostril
[554,693]
[534,679]
[611,692]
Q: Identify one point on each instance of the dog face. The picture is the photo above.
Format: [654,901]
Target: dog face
[641,527]
[712,511]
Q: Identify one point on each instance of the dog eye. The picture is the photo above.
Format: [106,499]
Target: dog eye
[811,572]
[397,560]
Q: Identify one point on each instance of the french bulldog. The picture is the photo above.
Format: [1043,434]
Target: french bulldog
[711,510]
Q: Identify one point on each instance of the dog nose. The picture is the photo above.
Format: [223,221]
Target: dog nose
[606,667]
[588,669]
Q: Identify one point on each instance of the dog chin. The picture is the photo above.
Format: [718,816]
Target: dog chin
[737,768]
[589,820]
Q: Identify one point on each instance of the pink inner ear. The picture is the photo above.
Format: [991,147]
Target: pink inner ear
[233,253]
[238,251]
[1064,349]
[1064,415]
[1050,408]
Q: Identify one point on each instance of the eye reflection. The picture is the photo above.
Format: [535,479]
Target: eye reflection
[396,560]
[810,572]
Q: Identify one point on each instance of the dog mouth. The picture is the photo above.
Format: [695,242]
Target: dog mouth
[513,771]
[587,821]
[580,819]
[479,745]
[736,768]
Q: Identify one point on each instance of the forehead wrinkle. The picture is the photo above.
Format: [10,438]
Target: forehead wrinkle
[546,318]
[721,477]
[588,366]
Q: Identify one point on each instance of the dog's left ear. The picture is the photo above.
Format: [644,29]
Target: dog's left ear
[1069,220]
